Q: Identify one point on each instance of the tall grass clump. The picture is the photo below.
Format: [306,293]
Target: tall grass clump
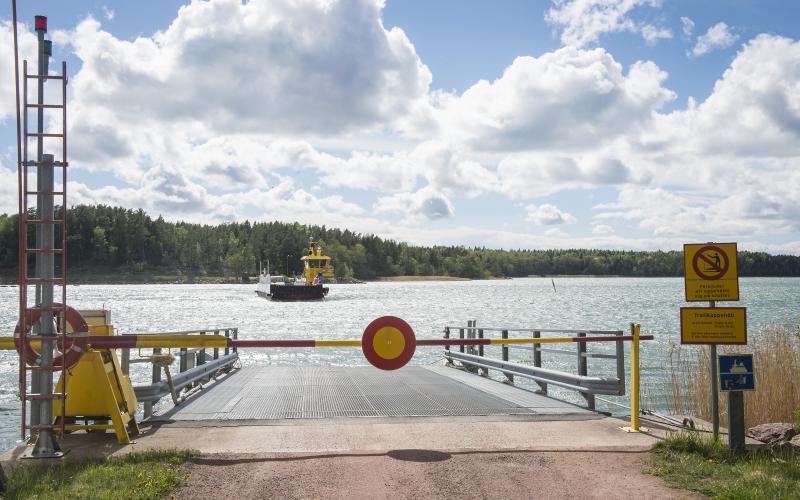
[136,476]
[776,355]
[696,462]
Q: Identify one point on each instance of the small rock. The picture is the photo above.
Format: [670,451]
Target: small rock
[795,442]
[767,433]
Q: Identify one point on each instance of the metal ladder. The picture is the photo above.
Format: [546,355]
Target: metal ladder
[50,242]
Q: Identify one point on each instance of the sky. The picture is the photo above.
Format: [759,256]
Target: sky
[619,124]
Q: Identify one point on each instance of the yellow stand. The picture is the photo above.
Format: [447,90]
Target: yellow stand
[98,390]
[634,427]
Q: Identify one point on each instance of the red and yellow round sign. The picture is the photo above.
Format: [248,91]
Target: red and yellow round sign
[388,343]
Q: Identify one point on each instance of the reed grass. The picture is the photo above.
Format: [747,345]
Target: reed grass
[776,355]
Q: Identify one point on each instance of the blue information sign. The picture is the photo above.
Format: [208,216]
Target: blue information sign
[736,372]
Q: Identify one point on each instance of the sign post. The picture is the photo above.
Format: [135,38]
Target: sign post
[711,273]
[736,374]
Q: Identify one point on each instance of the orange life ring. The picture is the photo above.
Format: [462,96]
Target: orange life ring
[70,353]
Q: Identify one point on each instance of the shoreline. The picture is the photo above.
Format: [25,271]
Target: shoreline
[421,278]
[231,280]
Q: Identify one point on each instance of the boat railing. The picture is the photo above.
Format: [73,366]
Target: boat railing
[195,367]
[528,363]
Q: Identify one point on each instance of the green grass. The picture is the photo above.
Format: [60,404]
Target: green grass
[693,462]
[145,475]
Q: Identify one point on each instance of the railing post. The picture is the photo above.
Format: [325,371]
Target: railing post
[471,335]
[471,348]
[227,336]
[537,360]
[509,378]
[216,349]
[184,360]
[235,337]
[201,360]
[201,356]
[583,369]
[620,345]
[156,379]
[461,336]
[125,364]
[480,353]
[447,347]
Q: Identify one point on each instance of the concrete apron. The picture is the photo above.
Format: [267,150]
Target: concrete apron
[369,435]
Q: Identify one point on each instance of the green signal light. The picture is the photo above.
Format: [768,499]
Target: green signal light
[48,47]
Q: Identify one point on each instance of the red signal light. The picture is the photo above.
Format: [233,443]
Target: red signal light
[40,23]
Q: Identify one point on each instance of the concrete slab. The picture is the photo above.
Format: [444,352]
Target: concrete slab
[370,434]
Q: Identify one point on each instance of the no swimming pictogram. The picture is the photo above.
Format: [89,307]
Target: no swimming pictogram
[710,262]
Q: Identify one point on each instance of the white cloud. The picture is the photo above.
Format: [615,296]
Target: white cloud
[652,34]
[426,203]
[739,215]
[570,99]
[555,232]
[753,112]
[602,229]
[584,21]
[8,191]
[529,176]
[27,47]
[325,69]
[548,215]
[108,12]
[166,192]
[451,170]
[688,26]
[717,37]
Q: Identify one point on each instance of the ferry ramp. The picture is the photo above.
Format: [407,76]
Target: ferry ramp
[277,393]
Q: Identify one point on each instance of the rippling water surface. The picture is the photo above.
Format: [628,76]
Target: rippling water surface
[596,303]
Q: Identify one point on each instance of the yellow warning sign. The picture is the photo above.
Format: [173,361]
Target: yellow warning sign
[714,325]
[710,271]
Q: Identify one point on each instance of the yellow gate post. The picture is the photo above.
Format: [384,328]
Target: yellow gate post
[634,427]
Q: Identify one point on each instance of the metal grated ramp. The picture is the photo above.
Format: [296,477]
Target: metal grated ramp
[270,393]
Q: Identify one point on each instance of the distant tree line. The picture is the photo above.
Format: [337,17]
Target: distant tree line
[103,237]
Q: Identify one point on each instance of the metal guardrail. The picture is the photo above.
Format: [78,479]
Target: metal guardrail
[473,359]
[194,367]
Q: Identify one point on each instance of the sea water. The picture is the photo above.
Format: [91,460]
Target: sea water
[567,303]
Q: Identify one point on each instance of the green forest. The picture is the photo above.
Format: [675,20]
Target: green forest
[105,241]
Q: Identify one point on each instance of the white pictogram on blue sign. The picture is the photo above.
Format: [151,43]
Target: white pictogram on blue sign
[736,373]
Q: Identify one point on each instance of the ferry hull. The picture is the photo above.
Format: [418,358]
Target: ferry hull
[298,292]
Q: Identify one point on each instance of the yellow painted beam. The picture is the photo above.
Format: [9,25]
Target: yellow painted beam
[337,343]
[7,343]
[555,340]
[181,341]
